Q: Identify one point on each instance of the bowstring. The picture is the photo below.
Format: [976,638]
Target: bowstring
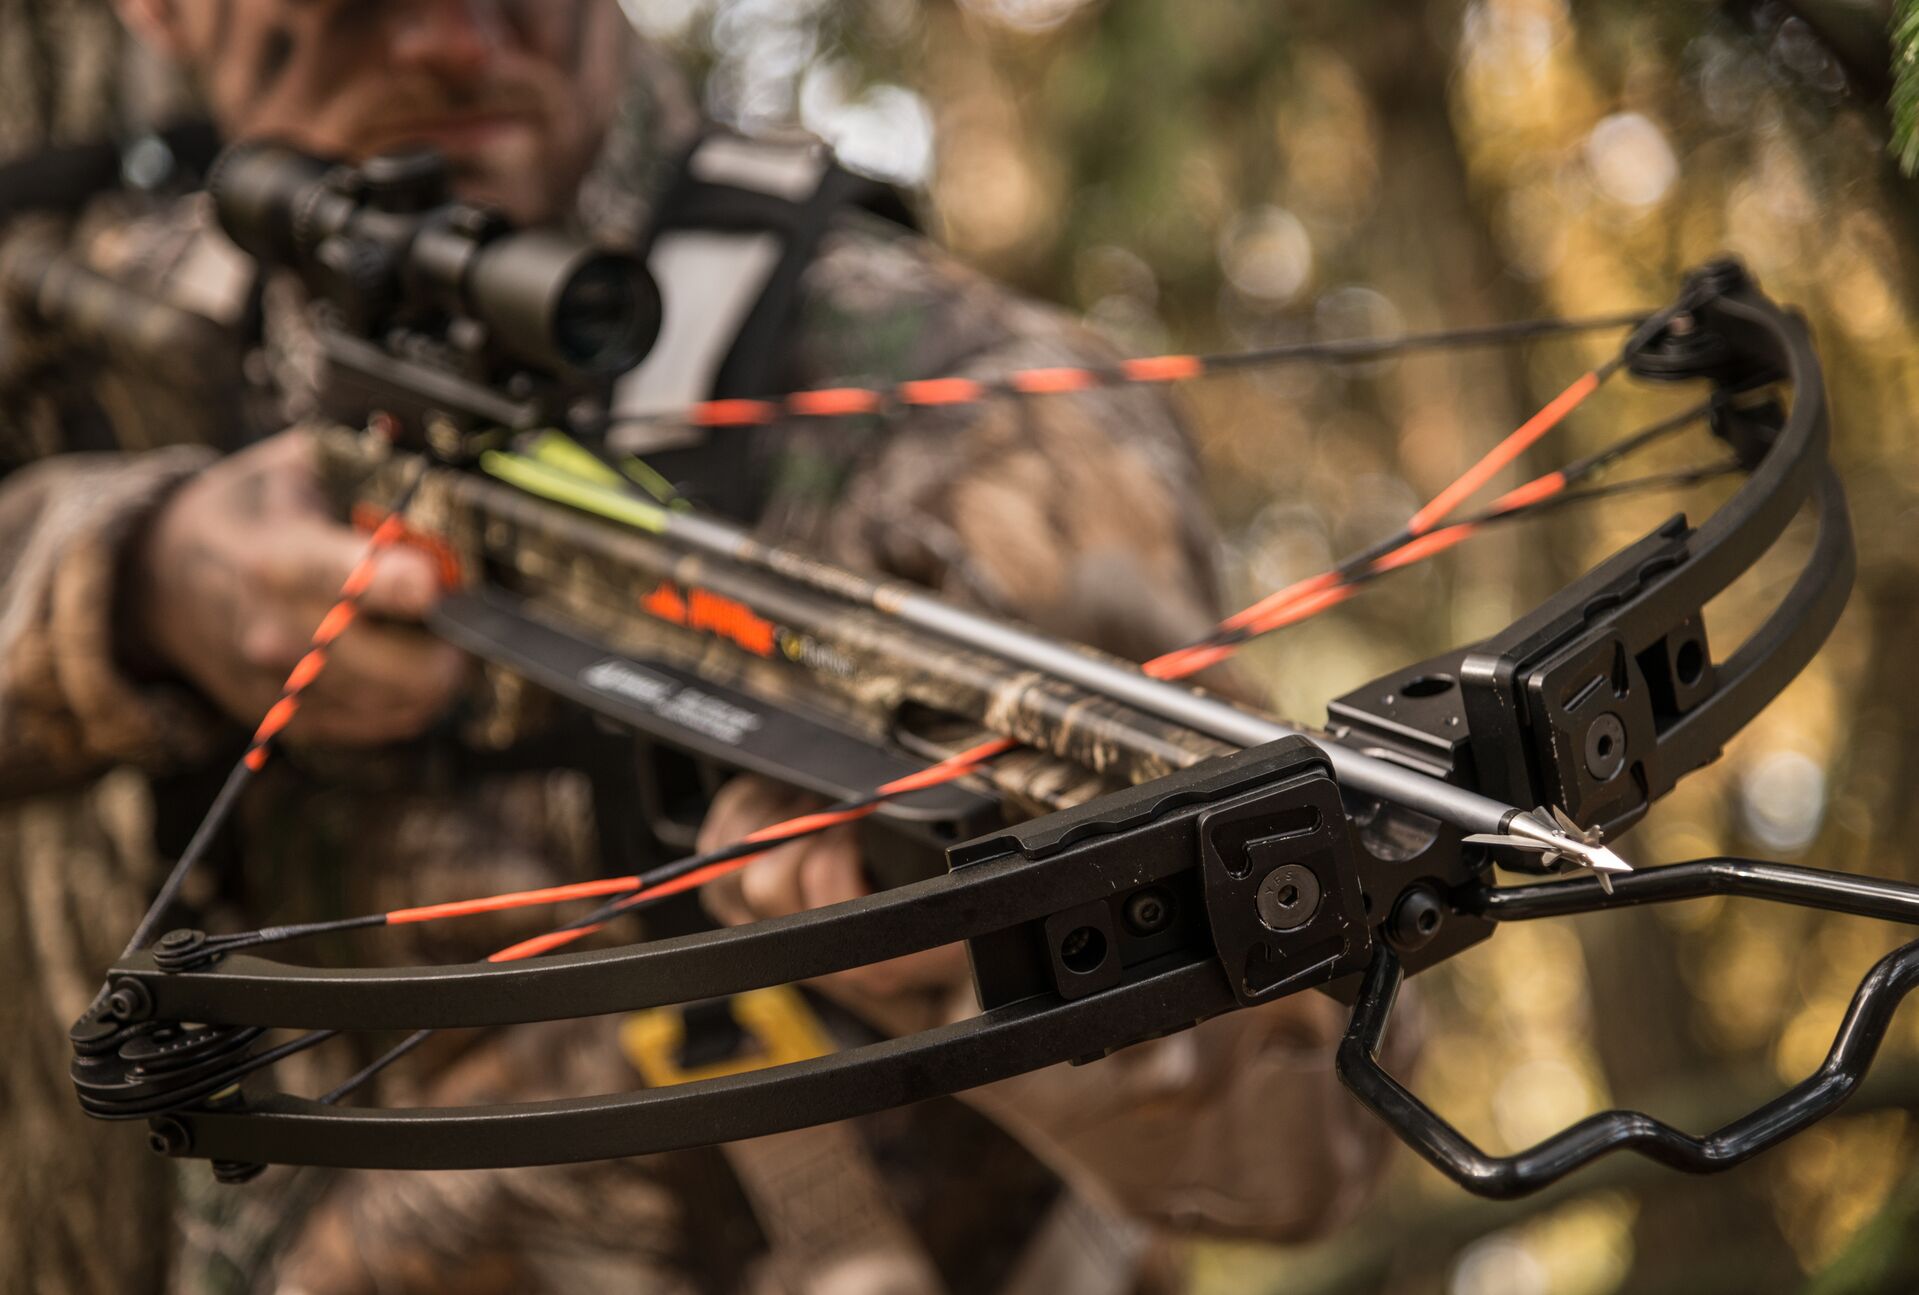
[633,473]
[1153,370]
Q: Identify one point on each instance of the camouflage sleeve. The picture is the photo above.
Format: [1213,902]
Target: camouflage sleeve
[1083,515]
[67,707]
[1077,516]
[600,1226]
[1237,1127]
[1080,513]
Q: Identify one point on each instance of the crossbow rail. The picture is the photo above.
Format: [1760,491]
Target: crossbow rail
[1307,860]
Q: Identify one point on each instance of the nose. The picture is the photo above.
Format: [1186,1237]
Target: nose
[452,38]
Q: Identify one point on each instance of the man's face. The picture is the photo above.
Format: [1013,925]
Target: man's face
[515,93]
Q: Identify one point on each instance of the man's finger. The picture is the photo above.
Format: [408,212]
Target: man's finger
[401,716]
[391,666]
[313,557]
[722,902]
[748,803]
[770,885]
[338,726]
[831,872]
[406,584]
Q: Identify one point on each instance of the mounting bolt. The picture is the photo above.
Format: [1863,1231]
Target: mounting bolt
[1288,897]
[1605,746]
[129,1000]
[1416,919]
[168,1137]
[1149,911]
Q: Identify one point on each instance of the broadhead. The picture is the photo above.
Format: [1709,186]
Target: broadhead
[1556,837]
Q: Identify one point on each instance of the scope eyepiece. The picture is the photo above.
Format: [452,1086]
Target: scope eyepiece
[388,246]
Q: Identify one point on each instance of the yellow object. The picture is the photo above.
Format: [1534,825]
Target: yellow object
[780,1028]
[562,452]
[548,482]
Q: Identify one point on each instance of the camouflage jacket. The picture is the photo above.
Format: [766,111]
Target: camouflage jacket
[1081,516]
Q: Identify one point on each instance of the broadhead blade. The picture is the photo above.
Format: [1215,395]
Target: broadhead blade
[1592,855]
[1601,860]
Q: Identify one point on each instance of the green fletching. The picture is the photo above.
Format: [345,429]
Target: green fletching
[650,480]
[562,452]
[563,487]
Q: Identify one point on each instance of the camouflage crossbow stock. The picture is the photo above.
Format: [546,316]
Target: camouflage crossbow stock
[1243,859]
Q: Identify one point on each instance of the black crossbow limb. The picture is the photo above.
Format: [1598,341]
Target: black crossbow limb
[1249,858]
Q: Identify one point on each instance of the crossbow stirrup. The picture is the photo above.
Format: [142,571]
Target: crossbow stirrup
[1250,859]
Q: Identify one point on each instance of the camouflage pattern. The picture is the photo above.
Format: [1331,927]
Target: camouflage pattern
[1080,515]
[597,575]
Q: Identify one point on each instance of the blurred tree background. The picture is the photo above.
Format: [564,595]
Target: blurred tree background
[1227,173]
[1230,172]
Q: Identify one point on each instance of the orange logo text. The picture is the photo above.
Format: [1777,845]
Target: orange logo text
[709,613]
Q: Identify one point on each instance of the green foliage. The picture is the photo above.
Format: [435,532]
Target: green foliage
[1905,84]
[1883,1255]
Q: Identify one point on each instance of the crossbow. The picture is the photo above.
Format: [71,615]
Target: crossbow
[1192,855]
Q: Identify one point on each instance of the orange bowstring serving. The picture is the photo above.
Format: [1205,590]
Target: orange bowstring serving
[947,770]
[837,402]
[1550,416]
[1309,597]
[596,889]
[1318,593]
[332,625]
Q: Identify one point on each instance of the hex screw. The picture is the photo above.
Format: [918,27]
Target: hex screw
[1288,897]
[1416,919]
[1149,911]
[1605,746]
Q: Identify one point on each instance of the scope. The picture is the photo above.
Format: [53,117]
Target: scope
[388,247]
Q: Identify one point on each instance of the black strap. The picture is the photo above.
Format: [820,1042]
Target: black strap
[717,471]
[752,367]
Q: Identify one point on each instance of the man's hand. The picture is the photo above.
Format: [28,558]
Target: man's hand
[236,570]
[812,873]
